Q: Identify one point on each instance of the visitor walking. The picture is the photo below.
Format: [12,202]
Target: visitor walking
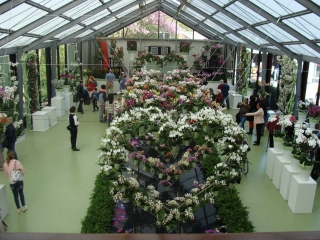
[16,185]
[258,121]
[225,92]
[252,109]
[73,127]
[102,101]
[80,93]
[11,136]
[95,97]
[110,77]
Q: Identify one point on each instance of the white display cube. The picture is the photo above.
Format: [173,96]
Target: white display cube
[270,161]
[58,102]
[301,196]
[40,121]
[279,163]
[286,177]
[234,99]
[52,115]
[68,101]
[3,201]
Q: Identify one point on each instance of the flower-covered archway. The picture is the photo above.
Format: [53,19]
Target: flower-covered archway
[165,130]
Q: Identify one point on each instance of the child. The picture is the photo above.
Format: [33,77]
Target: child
[94,97]
[109,109]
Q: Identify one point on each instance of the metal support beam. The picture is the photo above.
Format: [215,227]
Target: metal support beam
[228,29]
[20,83]
[310,5]
[8,5]
[304,80]
[50,89]
[102,20]
[268,73]
[283,26]
[69,25]
[264,66]
[54,61]
[298,86]
[252,29]
[40,21]
[199,23]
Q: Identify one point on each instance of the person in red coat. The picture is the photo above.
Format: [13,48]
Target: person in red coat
[219,97]
[271,126]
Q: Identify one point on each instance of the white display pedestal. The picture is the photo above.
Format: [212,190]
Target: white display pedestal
[270,161]
[279,163]
[301,196]
[286,177]
[234,99]
[40,121]
[3,201]
[58,102]
[68,101]
[52,115]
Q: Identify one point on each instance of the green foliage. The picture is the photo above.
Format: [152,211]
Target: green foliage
[243,71]
[232,212]
[99,213]
[211,161]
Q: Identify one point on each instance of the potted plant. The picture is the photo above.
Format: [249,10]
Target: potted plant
[58,85]
[132,48]
[314,115]
[185,46]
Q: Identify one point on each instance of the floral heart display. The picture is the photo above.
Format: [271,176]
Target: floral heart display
[164,141]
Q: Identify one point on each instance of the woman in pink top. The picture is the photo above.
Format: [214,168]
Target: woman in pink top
[258,119]
[16,187]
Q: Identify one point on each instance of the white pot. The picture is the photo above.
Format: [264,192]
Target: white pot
[302,117]
[58,93]
[295,163]
[277,142]
[286,151]
[304,172]
[313,122]
[66,89]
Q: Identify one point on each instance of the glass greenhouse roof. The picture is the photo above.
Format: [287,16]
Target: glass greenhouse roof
[289,26]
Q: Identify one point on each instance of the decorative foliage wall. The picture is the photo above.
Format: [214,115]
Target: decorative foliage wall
[243,71]
[29,65]
[288,78]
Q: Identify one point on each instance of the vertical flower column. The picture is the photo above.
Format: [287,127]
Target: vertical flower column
[243,72]
[287,83]
[30,84]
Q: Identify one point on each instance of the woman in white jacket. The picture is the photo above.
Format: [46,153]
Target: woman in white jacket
[258,119]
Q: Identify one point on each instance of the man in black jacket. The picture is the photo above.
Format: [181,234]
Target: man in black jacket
[80,93]
[11,136]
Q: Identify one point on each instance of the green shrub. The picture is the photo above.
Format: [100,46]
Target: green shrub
[101,209]
[232,212]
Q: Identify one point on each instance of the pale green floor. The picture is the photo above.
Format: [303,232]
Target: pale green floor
[58,183]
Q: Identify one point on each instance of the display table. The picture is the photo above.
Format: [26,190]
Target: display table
[234,99]
[68,101]
[58,102]
[301,196]
[40,120]
[52,115]
[279,163]
[3,201]
[286,176]
[272,153]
